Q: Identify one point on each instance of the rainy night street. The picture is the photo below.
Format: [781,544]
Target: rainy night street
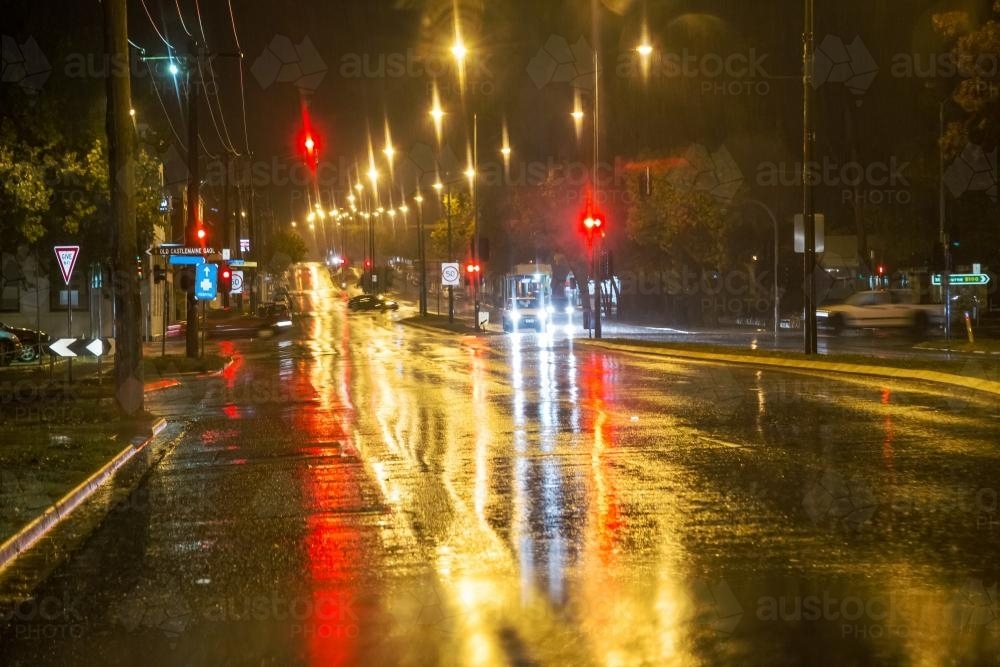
[366,492]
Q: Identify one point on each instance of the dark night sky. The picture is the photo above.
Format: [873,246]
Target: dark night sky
[659,116]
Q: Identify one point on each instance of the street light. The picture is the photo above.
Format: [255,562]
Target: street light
[419,199]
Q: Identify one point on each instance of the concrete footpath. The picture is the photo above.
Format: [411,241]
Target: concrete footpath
[138,440]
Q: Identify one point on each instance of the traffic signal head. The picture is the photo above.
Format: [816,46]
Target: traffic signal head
[310,151]
[368,263]
[225,279]
[199,236]
[593,223]
[159,274]
[471,268]
[881,269]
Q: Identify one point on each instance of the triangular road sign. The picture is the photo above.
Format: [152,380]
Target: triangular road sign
[67,254]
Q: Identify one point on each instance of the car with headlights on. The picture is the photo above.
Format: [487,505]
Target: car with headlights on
[368,302]
[525,312]
[880,309]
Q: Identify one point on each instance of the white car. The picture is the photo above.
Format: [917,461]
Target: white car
[524,312]
[876,309]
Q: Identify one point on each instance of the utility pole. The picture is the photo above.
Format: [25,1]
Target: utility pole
[193,199]
[451,289]
[808,216]
[598,275]
[121,147]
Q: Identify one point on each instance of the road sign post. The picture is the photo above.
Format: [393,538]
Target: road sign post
[451,276]
[66,255]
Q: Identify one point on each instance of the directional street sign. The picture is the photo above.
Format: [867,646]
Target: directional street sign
[206,282]
[182,250]
[236,286]
[185,259]
[67,254]
[75,347]
[450,274]
[963,279]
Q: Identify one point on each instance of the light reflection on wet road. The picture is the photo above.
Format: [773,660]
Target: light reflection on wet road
[369,493]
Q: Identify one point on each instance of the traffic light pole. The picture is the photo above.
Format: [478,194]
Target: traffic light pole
[193,198]
[451,289]
[594,259]
[808,216]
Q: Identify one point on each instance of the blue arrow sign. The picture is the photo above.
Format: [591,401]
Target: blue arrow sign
[184,259]
[206,282]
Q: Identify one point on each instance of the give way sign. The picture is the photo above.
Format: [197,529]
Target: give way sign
[67,254]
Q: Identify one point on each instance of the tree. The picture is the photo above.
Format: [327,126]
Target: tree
[285,247]
[976,50]
[686,224]
[462,224]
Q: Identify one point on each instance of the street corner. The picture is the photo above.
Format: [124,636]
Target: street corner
[844,502]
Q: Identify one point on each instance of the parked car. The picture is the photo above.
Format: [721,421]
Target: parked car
[10,347]
[33,342]
[371,302]
[876,309]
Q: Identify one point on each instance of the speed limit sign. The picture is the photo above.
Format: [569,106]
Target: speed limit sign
[236,286]
[450,274]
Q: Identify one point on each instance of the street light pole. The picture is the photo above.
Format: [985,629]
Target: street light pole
[808,217]
[451,288]
[422,255]
[598,277]
[475,214]
[774,277]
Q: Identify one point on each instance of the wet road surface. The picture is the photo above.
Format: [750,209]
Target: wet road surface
[369,493]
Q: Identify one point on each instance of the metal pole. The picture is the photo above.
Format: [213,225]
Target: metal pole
[777,309]
[421,251]
[69,326]
[942,237]
[596,251]
[451,289]
[475,215]
[808,217]
[193,198]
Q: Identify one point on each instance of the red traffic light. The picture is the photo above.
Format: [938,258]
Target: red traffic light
[592,222]
[201,233]
[225,273]
[472,268]
[368,263]
[311,147]
[881,269]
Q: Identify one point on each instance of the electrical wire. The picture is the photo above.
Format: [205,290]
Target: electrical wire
[153,23]
[201,26]
[208,99]
[163,106]
[243,98]
[177,3]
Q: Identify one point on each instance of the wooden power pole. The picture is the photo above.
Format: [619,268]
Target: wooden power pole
[128,374]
